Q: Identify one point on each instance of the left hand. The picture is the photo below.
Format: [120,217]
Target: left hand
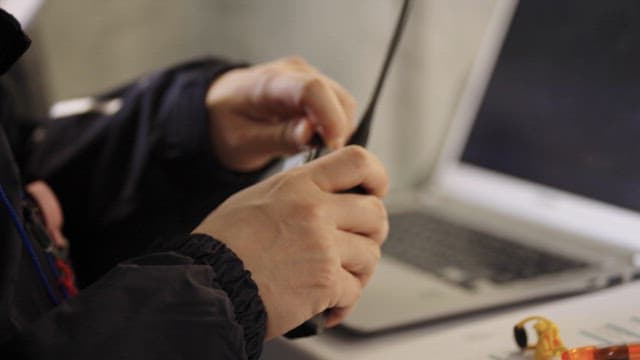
[262,112]
[308,245]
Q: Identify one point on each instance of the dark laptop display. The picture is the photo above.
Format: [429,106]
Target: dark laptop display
[563,106]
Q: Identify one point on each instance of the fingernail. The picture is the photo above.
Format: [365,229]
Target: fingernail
[299,132]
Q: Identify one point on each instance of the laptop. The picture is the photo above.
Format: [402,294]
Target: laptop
[536,194]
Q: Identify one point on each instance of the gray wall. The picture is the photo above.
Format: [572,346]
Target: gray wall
[93,45]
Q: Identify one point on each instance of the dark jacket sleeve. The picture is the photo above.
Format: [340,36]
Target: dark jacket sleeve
[196,302]
[147,171]
[122,169]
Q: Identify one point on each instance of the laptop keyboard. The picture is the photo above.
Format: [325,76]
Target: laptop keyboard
[465,257]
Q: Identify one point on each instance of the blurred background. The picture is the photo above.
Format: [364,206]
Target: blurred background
[85,47]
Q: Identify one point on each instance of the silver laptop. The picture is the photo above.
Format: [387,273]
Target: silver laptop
[537,190]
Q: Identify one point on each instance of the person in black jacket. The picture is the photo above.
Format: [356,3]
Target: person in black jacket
[179,250]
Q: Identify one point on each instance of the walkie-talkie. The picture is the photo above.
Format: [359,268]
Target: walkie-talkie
[360,137]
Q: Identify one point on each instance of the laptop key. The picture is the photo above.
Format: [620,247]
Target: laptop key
[462,256]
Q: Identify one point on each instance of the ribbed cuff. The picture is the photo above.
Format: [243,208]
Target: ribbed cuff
[236,282]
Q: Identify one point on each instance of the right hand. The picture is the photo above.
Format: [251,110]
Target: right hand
[309,245]
[263,112]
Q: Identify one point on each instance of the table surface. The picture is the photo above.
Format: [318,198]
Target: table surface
[604,317]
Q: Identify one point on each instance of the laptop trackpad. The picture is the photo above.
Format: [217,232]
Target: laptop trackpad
[403,292]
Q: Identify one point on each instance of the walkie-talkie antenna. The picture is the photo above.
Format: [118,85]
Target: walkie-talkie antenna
[361,135]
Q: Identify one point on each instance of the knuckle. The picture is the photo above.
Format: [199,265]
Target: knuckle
[384,230]
[269,75]
[313,85]
[309,212]
[266,69]
[375,255]
[359,157]
[379,208]
[310,88]
[381,219]
[357,293]
[284,182]
[295,60]
[320,245]
[370,258]
[326,276]
[263,82]
[293,180]
[236,139]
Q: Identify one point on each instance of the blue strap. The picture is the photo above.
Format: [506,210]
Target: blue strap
[27,244]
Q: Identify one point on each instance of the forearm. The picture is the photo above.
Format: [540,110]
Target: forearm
[143,172]
[98,162]
[163,305]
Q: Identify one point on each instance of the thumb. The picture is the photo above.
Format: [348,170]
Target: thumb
[286,137]
[254,146]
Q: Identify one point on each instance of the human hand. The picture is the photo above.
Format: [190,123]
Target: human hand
[51,210]
[309,245]
[262,112]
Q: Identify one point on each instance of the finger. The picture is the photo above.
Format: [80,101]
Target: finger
[335,316]
[296,135]
[48,203]
[281,138]
[326,111]
[347,100]
[358,255]
[288,94]
[361,214]
[348,168]
[348,290]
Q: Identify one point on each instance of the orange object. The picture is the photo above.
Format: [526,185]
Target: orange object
[618,352]
[549,343]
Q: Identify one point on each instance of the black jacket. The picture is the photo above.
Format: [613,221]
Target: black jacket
[143,175]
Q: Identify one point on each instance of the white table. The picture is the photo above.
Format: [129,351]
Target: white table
[611,315]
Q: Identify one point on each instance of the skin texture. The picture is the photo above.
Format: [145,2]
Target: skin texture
[262,112]
[309,246]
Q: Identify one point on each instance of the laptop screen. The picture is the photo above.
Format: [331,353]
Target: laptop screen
[562,107]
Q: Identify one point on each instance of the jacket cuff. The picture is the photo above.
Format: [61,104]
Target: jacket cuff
[235,281]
